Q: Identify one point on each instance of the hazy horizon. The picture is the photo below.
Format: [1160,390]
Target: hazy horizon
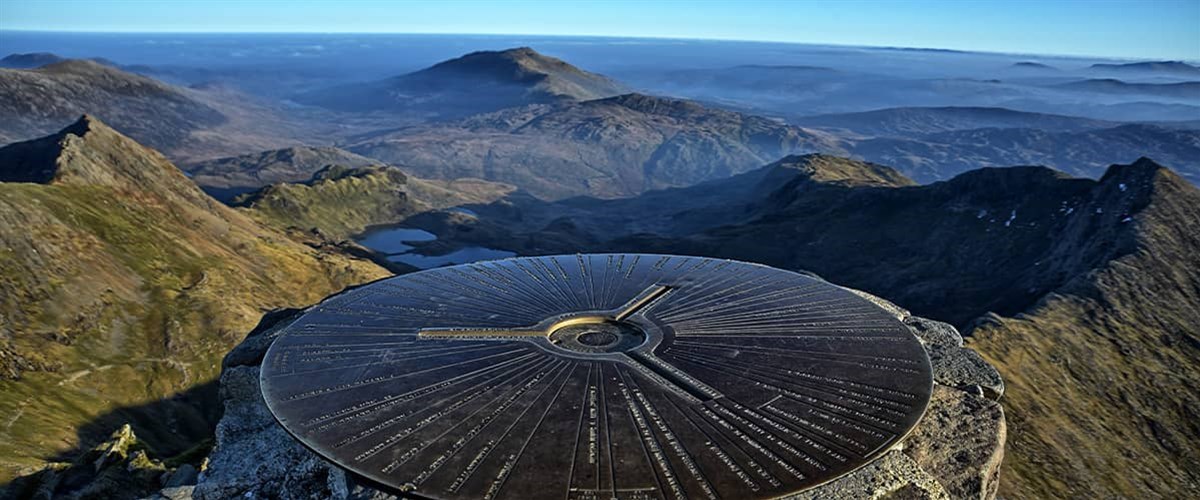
[1114,29]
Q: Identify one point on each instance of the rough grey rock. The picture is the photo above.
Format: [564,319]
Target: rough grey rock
[954,365]
[183,476]
[892,474]
[955,452]
[173,493]
[960,442]
[254,457]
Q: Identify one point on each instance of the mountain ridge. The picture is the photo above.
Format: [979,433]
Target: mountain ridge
[121,282]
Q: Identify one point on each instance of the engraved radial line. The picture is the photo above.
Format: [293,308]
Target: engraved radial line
[761,383]
[503,394]
[814,391]
[362,410]
[538,425]
[705,293]
[583,407]
[571,288]
[612,467]
[378,362]
[604,283]
[551,280]
[851,395]
[474,391]
[785,352]
[362,383]
[499,295]
[565,372]
[802,355]
[550,291]
[775,286]
[518,286]
[703,297]
[639,304]
[789,394]
[448,288]
[678,446]
[494,293]
[633,415]
[759,468]
[585,283]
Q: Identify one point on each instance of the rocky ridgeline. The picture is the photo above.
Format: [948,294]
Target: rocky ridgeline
[955,452]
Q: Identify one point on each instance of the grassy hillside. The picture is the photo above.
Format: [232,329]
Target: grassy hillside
[121,284]
[1102,374]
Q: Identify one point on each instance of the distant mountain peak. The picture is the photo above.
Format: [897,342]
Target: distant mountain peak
[1033,65]
[478,82]
[1173,67]
[522,66]
[29,60]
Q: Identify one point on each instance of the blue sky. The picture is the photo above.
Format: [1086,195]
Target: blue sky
[1160,29]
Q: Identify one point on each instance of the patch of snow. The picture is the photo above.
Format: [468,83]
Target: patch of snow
[1099,210]
[1122,186]
[1011,217]
[982,214]
[1127,219]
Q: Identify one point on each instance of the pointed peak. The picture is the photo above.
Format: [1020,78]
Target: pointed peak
[86,123]
[1142,168]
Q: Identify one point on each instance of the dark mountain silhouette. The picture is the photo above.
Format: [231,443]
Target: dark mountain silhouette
[1084,153]
[1178,68]
[1182,90]
[1033,65]
[38,59]
[908,122]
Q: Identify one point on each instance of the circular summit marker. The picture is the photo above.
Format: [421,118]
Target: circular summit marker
[598,376]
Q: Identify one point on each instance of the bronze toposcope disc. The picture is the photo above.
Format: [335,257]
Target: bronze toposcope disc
[598,376]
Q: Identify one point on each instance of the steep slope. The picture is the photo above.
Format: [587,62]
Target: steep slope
[908,122]
[477,82]
[1102,372]
[611,147]
[123,284]
[225,178]
[38,101]
[1086,153]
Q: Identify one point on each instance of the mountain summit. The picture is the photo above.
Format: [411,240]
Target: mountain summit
[474,83]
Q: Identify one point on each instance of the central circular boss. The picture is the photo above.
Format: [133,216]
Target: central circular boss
[596,334]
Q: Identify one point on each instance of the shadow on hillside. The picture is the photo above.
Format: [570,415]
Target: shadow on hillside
[169,426]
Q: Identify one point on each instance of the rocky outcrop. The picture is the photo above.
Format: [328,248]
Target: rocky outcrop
[955,452]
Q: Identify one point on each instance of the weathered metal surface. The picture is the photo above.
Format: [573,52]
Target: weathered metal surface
[598,376]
